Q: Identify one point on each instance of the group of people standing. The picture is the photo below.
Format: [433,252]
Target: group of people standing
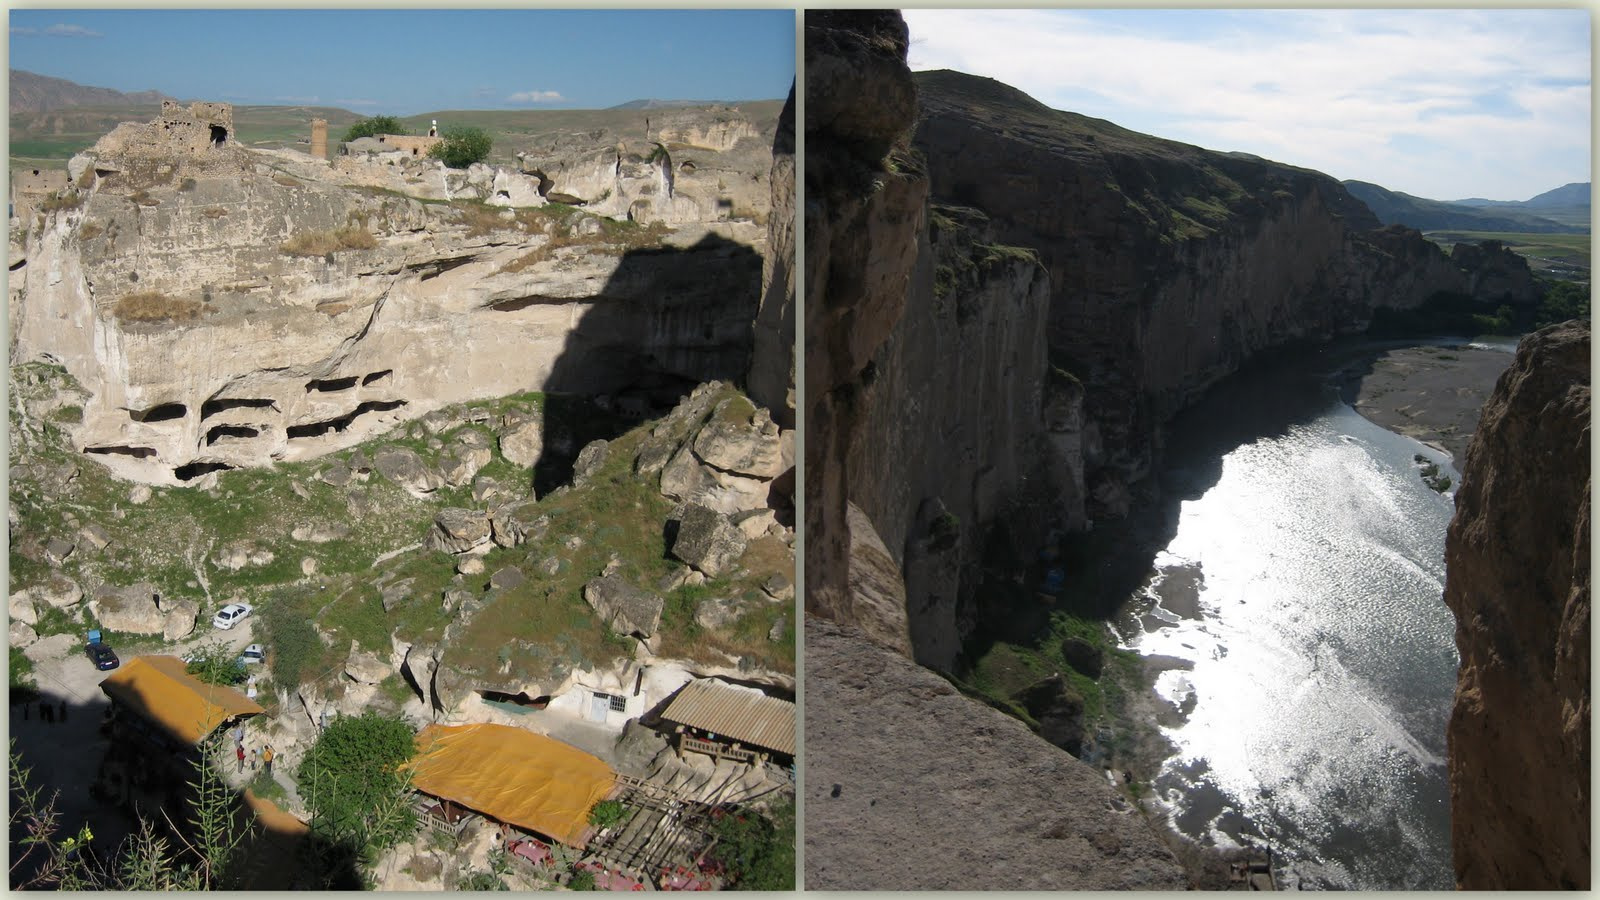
[262,755]
[49,713]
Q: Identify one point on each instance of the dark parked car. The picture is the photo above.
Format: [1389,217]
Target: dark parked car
[102,656]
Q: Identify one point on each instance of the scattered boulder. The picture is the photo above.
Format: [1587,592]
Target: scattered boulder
[514,523]
[779,588]
[320,532]
[405,468]
[454,597]
[21,634]
[754,523]
[365,667]
[550,566]
[299,490]
[1083,656]
[653,456]
[778,629]
[683,476]
[625,608]
[470,565]
[57,550]
[707,540]
[397,593]
[181,617]
[59,591]
[523,444]
[131,609]
[337,475]
[589,460]
[22,608]
[743,445]
[506,579]
[96,537]
[461,462]
[308,566]
[1058,709]
[139,495]
[458,530]
[716,612]
[485,489]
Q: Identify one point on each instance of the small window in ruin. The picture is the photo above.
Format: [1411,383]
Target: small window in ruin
[413,151]
[219,135]
[619,704]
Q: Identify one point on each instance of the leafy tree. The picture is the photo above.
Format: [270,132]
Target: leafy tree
[607,813]
[375,126]
[216,663]
[757,851]
[1563,300]
[352,782]
[461,147]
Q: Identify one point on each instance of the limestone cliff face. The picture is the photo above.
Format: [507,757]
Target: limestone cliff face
[928,405]
[1517,558]
[1170,265]
[274,308]
[772,362]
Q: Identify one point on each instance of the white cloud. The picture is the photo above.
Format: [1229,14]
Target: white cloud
[20,29]
[536,97]
[356,102]
[1439,103]
[72,31]
[297,99]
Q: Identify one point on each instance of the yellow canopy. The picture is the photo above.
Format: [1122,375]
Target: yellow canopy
[160,689]
[516,776]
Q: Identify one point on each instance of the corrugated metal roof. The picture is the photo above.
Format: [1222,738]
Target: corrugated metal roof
[161,689]
[744,716]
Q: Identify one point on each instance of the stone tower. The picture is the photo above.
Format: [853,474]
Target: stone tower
[319,138]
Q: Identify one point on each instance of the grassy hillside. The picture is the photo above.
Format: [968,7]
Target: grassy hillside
[1395,207]
[1552,255]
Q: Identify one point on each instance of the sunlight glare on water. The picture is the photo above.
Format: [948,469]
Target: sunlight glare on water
[1323,657]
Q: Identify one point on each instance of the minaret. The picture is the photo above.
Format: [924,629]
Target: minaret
[319,138]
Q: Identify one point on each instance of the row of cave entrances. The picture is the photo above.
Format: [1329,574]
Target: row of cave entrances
[195,469]
[168,412]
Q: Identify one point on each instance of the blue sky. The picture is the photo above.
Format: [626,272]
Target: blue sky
[410,61]
[1446,104]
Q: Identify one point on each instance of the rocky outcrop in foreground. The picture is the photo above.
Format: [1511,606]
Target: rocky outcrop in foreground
[920,788]
[1517,558]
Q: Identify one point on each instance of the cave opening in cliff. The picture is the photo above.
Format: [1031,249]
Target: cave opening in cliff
[191,471]
[223,404]
[520,698]
[164,412]
[231,431]
[318,429]
[329,385]
[119,450]
[374,376]
[219,135]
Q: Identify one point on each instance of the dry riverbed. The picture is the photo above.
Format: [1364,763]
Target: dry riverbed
[1432,394]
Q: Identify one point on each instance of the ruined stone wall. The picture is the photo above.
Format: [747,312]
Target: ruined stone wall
[30,186]
[416,145]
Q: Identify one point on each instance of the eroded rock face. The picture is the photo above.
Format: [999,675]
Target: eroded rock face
[1517,562]
[131,609]
[1014,812]
[459,530]
[229,308]
[772,363]
[707,540]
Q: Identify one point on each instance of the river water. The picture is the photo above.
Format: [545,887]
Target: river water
[1312,658]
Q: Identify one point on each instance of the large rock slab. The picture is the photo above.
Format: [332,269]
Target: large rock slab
[523,443]
[888,741]
[365,667]
[460,462]
[459,530]
[707,540]
[622,606]
[59,591]
[22,607]
[180,620]
[405,468]
[743,445]
[131,609]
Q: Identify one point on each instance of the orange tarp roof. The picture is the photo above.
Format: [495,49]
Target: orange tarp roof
[516,776]
[160,689]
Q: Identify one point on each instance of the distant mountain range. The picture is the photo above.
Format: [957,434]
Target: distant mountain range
[668,104]
[41,93]
[1564,210]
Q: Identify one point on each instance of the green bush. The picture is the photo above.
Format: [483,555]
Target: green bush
[757,851]
[352,783]
[375,126]
[607,813]
[295,645]
[462,147]
[1563,300]
[582,881]
[216,663]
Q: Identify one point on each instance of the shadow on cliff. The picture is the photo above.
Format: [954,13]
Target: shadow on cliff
[666,320]
[96,779]
[1107,566]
